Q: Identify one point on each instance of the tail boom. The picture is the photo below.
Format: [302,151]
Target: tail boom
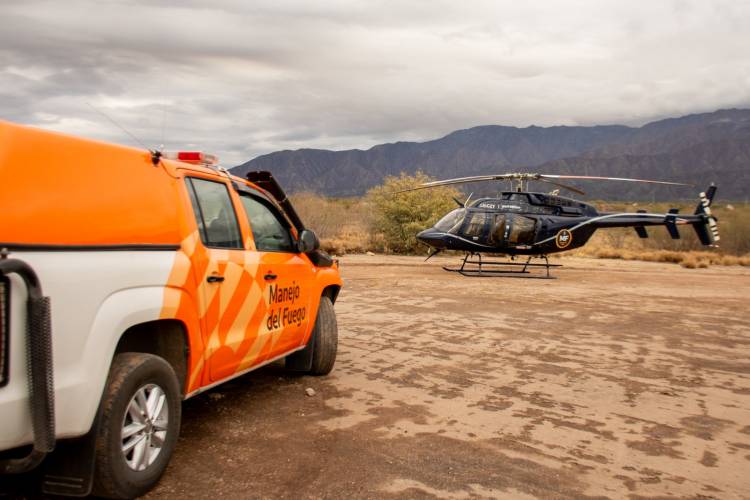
[703,221]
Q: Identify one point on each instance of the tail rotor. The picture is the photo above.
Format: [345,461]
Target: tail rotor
[707,228]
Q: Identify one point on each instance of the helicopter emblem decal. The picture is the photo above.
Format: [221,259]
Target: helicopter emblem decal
[564,238]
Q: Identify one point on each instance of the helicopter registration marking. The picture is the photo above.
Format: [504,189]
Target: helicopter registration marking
[564,238]
[495,206]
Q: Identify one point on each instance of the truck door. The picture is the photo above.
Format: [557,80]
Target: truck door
[229,295]
[287,275]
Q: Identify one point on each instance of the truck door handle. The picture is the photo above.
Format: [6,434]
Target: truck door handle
[269,277]
[215,279]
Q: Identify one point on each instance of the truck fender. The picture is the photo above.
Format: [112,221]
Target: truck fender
[118,312]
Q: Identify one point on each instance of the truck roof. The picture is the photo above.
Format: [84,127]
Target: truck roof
[63,190]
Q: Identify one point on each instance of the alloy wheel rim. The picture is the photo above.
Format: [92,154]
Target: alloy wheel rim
[144,427]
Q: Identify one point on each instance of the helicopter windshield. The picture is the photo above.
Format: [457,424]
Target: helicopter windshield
[451,223]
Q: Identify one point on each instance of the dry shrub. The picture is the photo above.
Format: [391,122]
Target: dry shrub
[399,217]
[350,241]
[664,256]
[609,253]
[693,262]
[342,224]
[689,262]
[331,217]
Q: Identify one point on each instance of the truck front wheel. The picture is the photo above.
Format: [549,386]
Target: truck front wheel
[325,338]
[139,422]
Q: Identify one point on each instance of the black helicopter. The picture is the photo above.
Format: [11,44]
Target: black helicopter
[520,222]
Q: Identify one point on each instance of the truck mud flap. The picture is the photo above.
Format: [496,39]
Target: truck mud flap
[69,470]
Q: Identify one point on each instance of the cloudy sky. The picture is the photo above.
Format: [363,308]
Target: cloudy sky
[241,78]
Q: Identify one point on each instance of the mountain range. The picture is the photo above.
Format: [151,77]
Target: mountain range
[697,149]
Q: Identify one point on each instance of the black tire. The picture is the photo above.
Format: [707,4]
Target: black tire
[325,339]
[131,372]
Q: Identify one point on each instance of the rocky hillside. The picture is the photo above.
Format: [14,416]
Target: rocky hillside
[700,148]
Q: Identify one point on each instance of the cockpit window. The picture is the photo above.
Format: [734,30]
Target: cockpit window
[451,223]
[476,224]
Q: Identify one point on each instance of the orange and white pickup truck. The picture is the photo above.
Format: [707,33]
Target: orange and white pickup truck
[129,281]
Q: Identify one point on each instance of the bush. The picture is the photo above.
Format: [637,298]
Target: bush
[399,217]
[342,224]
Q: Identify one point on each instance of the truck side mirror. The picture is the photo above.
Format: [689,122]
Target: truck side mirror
[308,241]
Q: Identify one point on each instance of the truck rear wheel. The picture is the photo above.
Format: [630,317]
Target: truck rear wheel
[139,422]
[325,339]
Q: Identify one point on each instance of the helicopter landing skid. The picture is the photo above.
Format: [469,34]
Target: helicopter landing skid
[476,269]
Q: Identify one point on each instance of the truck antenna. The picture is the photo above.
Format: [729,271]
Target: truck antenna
[156,154]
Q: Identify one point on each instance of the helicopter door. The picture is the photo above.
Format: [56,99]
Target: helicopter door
[497,231]
[522,230]
[474,227]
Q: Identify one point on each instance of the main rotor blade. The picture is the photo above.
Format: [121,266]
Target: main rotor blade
[459,180]
[595,178]
[532,177]
[560,184]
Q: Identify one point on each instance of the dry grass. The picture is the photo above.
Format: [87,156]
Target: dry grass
[691,259]
[733,219]
[345,225]
[342,224]
[621,244]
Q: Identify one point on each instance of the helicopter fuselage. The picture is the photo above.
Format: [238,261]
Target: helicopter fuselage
[527,223]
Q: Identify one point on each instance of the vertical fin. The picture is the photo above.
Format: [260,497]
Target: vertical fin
[671,223]
[707,229]
[641,230]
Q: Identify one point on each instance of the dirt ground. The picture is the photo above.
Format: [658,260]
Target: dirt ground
[619,379]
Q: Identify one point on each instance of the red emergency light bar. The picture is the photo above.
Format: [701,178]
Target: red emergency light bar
[194,157]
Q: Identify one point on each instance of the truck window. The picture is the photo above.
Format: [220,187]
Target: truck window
[269,232]
[214,213]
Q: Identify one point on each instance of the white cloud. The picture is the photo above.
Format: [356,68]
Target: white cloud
[244,78]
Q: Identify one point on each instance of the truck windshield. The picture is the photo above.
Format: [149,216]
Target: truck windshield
[451,223]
